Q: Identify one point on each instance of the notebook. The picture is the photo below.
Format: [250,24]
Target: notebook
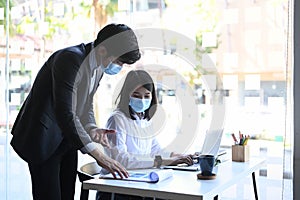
[211,146]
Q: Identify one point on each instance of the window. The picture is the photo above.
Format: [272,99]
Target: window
[231,53]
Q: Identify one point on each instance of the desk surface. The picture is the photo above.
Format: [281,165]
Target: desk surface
[183,184]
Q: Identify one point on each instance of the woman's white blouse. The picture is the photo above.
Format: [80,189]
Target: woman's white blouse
[134,144]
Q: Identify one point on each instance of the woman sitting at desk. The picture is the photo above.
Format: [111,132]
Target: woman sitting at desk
[134,144]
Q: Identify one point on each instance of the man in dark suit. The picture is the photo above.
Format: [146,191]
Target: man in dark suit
[57,118]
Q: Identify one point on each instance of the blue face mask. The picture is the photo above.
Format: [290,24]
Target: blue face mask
[112,68]
[139,105]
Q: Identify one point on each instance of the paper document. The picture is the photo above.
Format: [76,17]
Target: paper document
[149,177]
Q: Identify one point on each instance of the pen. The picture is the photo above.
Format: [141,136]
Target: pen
[234,138]
[246,140]
[241,138]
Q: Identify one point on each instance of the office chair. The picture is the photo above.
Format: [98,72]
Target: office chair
[87,172]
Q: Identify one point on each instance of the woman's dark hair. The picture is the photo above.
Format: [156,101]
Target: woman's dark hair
[133,80]
[120,41]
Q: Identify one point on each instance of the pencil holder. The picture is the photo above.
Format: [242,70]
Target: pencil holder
[240,153]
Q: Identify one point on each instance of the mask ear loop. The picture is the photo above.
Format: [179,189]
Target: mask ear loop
[102,66]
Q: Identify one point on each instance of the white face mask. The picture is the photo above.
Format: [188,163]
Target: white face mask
[139,105]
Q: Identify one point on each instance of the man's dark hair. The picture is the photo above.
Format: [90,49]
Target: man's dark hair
[120,41]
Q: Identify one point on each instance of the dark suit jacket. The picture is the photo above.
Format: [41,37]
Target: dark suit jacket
[58,106]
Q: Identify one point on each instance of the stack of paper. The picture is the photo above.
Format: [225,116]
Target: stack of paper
[149,177]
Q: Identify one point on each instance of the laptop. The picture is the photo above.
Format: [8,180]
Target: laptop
[211,146]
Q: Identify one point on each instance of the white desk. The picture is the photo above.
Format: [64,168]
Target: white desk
[183,184]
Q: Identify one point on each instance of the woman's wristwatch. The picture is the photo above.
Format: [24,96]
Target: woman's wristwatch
[157,161]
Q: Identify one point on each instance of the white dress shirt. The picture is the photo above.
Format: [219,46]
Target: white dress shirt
[133,145]
[96,70]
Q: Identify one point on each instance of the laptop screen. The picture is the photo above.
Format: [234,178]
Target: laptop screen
[210,146]
[212,142]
